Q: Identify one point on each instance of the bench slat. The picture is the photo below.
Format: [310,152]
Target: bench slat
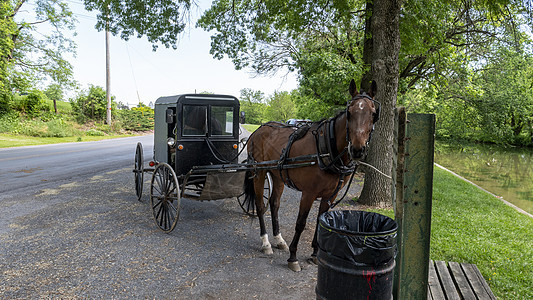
[434,287]
[478,283]
[446,281]
[461,281]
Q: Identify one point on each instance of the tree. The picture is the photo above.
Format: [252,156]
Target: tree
[54,93]
[7,30]
[161,21]
[280,107]
[92,104]
[331,42]
[377,190]
[252,105]
[26,52]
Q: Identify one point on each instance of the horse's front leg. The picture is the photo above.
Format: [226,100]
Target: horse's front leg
[305,206]
[324,207]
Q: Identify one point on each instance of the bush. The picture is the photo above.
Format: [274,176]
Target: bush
[59,128]
[9,122]
[136,120]
[6,103]
[92,105]
[35,103]
[94,132]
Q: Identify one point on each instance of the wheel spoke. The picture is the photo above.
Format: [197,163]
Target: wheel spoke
[167,214]
[174,209]
[157,204]
[162,218]
[159,210]
[157,177]
[157,190]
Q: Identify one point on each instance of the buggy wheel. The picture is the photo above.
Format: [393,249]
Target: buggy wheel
[138,171]
[165,197]
[248,207]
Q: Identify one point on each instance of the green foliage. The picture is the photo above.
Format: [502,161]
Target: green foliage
[34,103]
[252,104]
[280,107]
[161,21]
[92,105]
[140,118]
[493,105]
[7,29]
[94,132]
[6,102]
[9,121]
[31,52]
[12,123]
[447,47]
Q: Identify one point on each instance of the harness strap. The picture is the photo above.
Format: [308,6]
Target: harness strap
[296,135]
[345,192]
[329,159]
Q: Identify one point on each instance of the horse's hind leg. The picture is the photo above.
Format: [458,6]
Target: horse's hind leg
[277,190]
[259,182]
[305,206]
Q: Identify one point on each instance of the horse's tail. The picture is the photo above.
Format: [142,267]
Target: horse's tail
[249,191]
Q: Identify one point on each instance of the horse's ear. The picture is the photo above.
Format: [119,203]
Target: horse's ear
[373,89]
[353,89]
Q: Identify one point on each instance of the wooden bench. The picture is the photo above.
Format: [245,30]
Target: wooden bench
[453,280]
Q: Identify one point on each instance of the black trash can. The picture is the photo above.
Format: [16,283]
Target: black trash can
[356,252]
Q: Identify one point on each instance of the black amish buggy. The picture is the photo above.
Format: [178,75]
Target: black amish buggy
[196,147]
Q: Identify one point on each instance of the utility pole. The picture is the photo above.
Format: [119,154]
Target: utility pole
[108,74]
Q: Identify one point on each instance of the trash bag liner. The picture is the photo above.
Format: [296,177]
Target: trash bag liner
[358,237]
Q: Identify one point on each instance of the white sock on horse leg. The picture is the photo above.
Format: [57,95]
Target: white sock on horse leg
[266,247]
[280,243]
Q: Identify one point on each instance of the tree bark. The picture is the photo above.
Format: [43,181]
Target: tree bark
[368,48]
[377,190]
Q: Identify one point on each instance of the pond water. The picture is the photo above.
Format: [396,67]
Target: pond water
[504,171]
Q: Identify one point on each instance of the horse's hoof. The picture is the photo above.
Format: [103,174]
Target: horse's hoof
[280,243]
[267,250]
[282,246]
[313,260]
[295,266]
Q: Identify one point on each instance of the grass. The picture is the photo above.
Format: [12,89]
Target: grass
[469,225]
[62,106]
[9,140]
[250,127]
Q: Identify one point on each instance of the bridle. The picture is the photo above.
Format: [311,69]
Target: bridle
[374,120]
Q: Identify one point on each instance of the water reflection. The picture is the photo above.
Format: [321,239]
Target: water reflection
[506,172]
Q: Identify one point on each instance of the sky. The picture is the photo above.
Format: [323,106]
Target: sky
[138,73]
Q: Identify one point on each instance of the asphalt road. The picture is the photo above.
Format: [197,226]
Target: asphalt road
[71,227]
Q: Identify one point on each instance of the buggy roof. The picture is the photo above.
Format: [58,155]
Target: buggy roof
[196,98]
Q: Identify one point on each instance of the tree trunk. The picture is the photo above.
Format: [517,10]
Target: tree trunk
[368,48]
[377,190]
[55,106]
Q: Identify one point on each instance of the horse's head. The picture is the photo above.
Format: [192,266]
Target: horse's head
[361,115]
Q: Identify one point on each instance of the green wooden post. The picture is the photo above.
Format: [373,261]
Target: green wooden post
[413,205]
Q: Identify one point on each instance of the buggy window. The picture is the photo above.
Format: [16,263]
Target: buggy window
[194,120]
[222,120]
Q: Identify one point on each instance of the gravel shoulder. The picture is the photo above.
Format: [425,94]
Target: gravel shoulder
[89,237]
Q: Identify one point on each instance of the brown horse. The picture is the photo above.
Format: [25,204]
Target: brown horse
[345,135]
